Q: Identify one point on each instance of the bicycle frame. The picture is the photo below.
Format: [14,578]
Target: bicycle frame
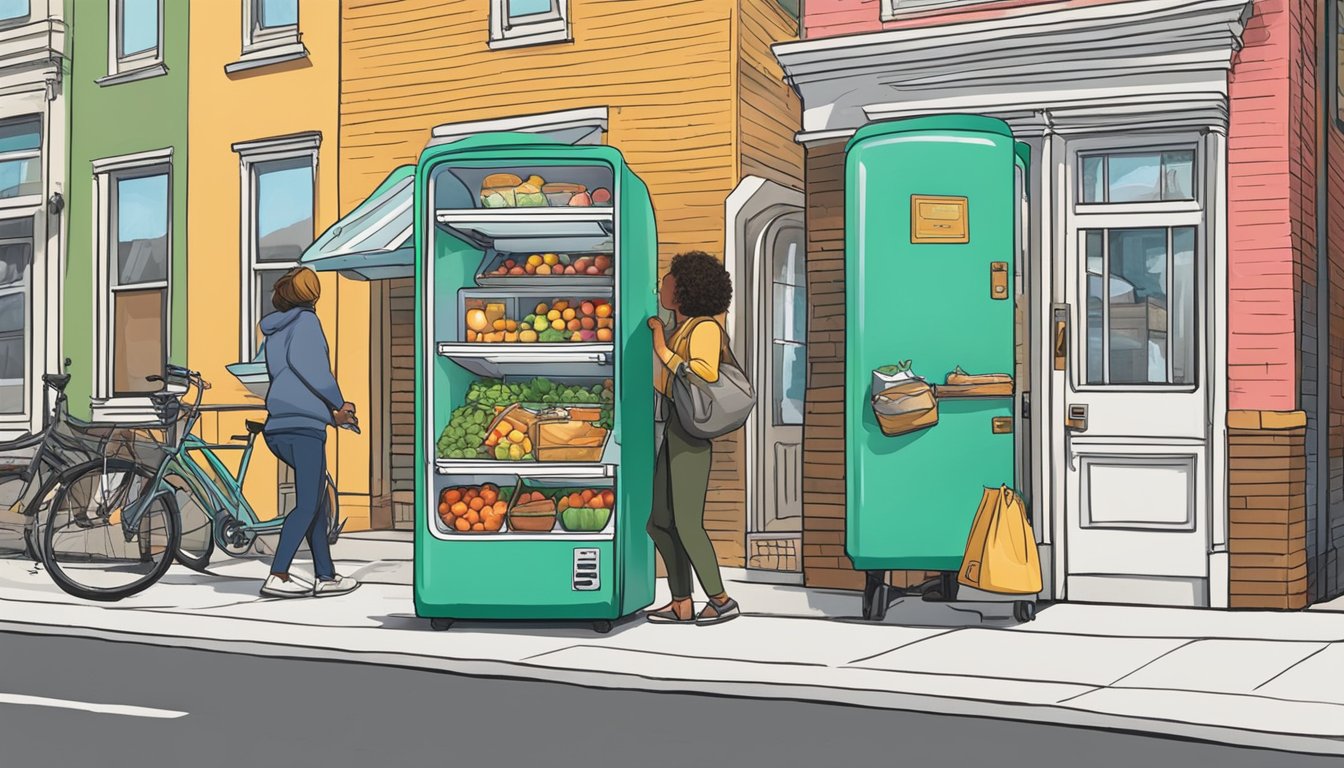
[192,463]
[130,522]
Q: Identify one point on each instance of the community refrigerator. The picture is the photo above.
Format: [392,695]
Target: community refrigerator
[535,279]
[934,219]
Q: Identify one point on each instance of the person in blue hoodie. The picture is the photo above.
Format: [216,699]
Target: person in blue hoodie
[303,400]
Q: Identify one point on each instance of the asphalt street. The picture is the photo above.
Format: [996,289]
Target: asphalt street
[79,702]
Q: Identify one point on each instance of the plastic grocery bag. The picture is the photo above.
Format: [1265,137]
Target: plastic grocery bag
[1001,551]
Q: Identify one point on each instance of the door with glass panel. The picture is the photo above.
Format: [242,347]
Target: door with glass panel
[1129,343]
[785,382]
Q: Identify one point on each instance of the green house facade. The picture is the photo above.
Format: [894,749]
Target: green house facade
[125,274]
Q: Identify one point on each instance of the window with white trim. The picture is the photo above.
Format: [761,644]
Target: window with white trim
[528,22]
[1137,215]
[16,262]
[270,34]
[14,11]
[139,215]
[278,210]
[893,9]
[21,157]
[135,42]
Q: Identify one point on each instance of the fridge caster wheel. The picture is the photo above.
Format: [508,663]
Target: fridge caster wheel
[1024,611]
[876,597]
[440,625]
[602,627]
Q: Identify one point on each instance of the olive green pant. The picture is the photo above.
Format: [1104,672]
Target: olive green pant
[677,521]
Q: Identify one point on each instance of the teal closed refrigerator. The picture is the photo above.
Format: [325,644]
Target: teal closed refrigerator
[535,275]
[933,227]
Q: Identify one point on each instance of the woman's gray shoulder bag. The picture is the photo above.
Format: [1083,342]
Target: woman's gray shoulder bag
[712,409]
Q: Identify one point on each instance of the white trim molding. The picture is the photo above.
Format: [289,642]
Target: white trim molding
[105,406]
[264,46]
[899,9]
[135,66]
[535,29]
[251,154]
[1064,67]
[570,126]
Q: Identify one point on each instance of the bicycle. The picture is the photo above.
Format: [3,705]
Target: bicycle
[64,442]
[157,481]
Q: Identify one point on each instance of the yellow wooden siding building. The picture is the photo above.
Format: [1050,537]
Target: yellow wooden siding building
[690,94]
[263,105]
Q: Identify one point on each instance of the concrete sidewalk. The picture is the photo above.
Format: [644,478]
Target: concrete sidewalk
[1273,680]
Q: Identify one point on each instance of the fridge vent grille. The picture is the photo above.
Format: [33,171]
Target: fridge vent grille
[586,572]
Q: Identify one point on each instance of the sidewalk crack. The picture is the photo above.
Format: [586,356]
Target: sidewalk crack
[1159,657]
[1292,666]
[902,646]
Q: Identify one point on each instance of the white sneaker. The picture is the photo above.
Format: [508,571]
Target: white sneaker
[278,587]
[337,586]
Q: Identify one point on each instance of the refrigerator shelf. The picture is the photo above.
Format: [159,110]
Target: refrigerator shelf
[528,469]
[487,225]
[495,361]
[556,535]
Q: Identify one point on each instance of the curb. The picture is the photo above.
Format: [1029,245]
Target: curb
[1047,714]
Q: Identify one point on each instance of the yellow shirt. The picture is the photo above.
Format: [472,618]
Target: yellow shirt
[700,350]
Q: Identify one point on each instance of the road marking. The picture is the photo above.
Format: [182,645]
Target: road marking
[85,706]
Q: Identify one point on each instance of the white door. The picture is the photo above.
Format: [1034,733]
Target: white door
[1131,350]
[783,278]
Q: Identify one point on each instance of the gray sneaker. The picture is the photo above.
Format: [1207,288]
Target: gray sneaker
[278,587]
[337,586]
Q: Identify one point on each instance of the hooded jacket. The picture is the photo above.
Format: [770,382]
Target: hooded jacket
[303,392]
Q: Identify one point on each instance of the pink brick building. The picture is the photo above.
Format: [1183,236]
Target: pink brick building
[1189,156]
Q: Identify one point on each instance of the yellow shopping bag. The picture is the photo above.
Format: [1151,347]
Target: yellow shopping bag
[1001,551]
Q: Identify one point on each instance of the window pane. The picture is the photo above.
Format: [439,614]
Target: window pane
[21,135]
[528,7]
[15,261]
[1094,179]
[19,178]
[284,209]
[142,229]
[1134,178]
[1095,260]
[139,26]
[264,281]
[13,361]
[139,340]
[790,313]
[1178,176]
[13,9]
[277,13]
[1138,306]
[790,382]
[1183,323]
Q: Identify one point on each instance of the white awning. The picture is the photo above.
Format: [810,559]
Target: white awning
[372,242]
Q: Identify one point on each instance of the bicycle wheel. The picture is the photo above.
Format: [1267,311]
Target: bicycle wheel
[196,541]
[85,546]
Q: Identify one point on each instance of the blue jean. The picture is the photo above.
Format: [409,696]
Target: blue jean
[305,452]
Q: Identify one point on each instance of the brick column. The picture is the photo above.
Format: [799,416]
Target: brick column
[1267,533]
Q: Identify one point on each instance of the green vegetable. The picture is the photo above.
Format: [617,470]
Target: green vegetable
[585,519]
[902,367]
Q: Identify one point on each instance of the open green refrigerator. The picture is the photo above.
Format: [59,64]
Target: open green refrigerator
[535,278]
[933,230]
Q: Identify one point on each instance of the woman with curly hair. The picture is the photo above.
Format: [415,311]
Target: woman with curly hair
[696,289]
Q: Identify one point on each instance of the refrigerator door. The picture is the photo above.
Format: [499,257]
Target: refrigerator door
[459,230]
[929,215]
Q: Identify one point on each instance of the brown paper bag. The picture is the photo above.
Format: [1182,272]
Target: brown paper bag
[1001,553]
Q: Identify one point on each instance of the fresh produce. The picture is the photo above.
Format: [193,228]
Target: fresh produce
[471,509]
[587,510]
[468,428]
[532,512]
[587,321]
[508,440]
[505,190]
[601,197]
[545,264]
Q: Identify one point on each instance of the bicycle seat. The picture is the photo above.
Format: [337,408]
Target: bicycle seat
[255,427]
[57,381]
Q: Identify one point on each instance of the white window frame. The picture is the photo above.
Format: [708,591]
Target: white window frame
[552,27]
[264,46]
[26,201]
[34,316]
[106,172]
[139,66]
[895,9]
[250,155]
[1152,215]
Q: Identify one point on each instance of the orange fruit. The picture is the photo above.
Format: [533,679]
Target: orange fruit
[608,498]
[494,523]
[587,495]
[490,495]
[604,334]
[443,509]
[459,509]
[501,507]
[477,527]
[604,310]
[462,525]
[452,496]
[476,504]
[473,517]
